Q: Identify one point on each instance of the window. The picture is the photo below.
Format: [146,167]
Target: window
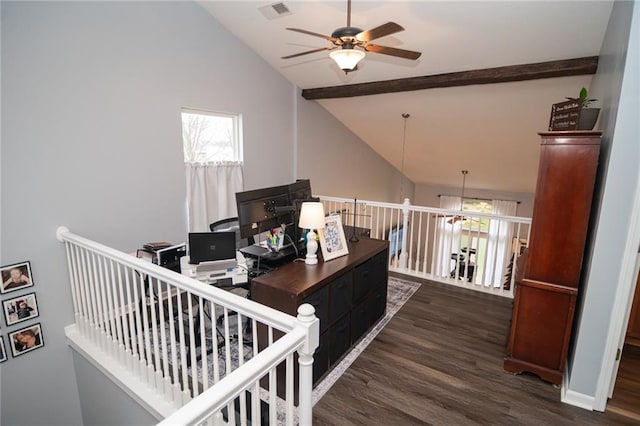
[211,136]
[477,206]
[475,232]
[212,148]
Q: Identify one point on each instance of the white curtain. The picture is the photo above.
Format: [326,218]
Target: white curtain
[211,192]
[499,243]
[448,237]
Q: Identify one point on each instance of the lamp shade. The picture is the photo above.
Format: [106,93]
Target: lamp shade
[347,59]
[311,216]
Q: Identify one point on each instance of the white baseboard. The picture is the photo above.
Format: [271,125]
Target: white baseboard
[574,398]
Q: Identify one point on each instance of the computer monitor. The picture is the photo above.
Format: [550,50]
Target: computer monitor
[170,257]
[211,246]
[263,209]
[300,190]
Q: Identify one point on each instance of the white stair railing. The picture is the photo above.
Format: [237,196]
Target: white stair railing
[187,351]
[467,249]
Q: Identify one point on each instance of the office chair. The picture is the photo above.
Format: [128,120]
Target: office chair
[227,225]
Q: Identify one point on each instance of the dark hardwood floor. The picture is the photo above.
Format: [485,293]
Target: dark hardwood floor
[439,361]
[626,394]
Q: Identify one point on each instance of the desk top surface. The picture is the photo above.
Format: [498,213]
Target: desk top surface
[299,278]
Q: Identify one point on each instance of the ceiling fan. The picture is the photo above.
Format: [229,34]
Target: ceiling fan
[352,42]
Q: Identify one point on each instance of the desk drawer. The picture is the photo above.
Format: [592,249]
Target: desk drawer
[320,301]
[339,339]
[380,262]
[362,280]
[360,320]
[340,297]
[377,304]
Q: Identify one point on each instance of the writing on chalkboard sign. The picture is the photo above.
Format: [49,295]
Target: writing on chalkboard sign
[565,115]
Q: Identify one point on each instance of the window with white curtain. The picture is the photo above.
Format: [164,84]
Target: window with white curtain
[212,146]
[490,237]
[475,231]
[211,136]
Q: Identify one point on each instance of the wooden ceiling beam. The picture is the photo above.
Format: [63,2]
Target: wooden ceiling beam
[562,68]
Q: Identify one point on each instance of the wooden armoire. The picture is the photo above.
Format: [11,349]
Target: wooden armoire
[545,295]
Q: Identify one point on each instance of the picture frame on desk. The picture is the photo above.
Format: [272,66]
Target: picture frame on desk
[332,240]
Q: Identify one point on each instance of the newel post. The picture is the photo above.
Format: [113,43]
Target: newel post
[405,232]
[307,320]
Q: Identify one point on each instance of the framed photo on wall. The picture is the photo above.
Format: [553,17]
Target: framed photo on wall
[3,351]
[332,240]
[20,309]
[26,340]
[16,277]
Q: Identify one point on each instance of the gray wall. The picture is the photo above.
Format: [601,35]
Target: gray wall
[617,85]
[91,139]
[339,163]
[116,407]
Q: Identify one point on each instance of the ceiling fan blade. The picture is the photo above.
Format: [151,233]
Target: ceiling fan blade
[307,52]
[455,219]
[381,31]
[311,33]
[385,50]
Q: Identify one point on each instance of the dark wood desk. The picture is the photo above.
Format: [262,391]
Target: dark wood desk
[349,294]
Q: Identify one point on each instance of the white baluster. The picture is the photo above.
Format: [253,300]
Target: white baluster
[273,386]
[195,389]
[243,398]
[311,325]
[405,231]
[227,355]
[289,384]
[124,319]
[204,361]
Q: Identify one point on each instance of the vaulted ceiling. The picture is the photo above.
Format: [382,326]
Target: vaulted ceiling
[488,129]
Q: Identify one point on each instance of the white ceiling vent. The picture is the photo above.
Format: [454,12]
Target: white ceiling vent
[275,10]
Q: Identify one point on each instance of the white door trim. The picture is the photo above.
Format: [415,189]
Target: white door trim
[620,314]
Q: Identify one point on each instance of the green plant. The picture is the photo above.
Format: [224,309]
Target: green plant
[583,98]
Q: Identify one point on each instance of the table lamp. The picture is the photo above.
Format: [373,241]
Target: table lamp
[311,217]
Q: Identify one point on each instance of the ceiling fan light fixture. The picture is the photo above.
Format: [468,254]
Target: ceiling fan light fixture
[347,59]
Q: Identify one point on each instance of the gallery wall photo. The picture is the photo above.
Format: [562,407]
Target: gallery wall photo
[19,307]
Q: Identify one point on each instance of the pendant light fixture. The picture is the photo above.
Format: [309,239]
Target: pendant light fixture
[460,217]
[405,116]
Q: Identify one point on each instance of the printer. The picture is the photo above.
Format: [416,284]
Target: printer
[228,272]
[213,259]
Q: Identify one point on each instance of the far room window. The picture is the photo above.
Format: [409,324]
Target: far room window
[211,136]
[475,232]
[477,206]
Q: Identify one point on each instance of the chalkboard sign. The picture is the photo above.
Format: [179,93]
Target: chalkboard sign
[565,115]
